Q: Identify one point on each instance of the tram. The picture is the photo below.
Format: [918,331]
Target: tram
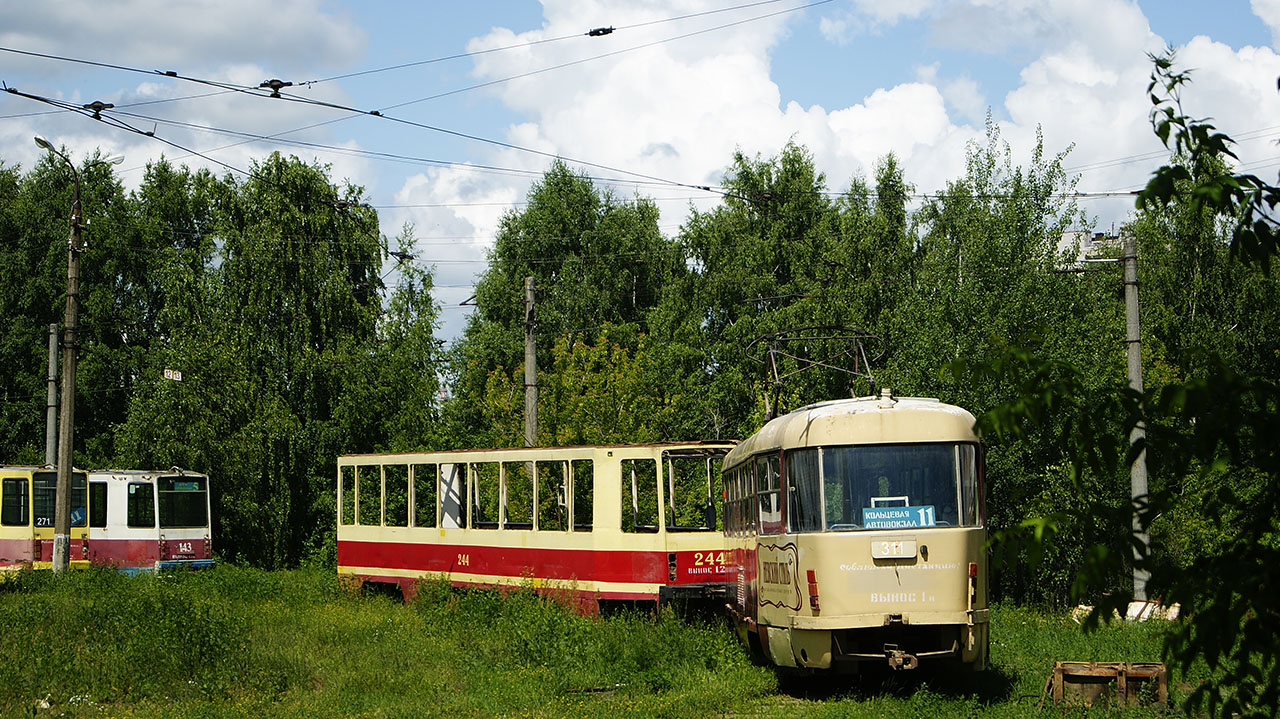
[133,520]
[596,525]
[27,504]
[145,520]
[857,536]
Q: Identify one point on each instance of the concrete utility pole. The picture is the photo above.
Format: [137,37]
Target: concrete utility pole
[66,418]
[530,369]
[1133,342]
[51,401]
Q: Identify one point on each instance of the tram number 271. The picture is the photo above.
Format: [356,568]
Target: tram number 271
[708,559]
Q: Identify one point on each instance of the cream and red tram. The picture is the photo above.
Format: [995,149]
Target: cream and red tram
[857,536]
[633,523]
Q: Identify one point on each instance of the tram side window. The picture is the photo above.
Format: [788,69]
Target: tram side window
[518,509]
[690,482]
[484,495]
[740,499]
[639,495]
[425,489]
[98,504]
[369,493]
[730,502]
[396,478]
[141,510]
[583,479]
[767,491]
[553,512]
[14,502]
[347,477]
[804,491]
[968,466]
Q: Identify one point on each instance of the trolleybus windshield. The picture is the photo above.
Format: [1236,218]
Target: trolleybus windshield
[892,486]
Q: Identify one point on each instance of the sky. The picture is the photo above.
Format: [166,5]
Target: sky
[477,98]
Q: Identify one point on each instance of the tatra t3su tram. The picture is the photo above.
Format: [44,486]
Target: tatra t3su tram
[856,533]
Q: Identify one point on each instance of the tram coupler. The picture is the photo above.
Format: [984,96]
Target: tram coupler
[899,659]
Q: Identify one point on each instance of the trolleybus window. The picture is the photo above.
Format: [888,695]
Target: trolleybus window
[583,480]
[639,495]
[768,494]
[45,490]
[98,504]
[553,509]
[424,495]
[183,501]
[141,510]
[899,486]
[396,480]
[518,495]
[347,477]
[369,495]
[485,495]
[804,491]
[14,512]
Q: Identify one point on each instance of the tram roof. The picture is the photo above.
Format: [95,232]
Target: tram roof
[862,420]
[148,473]
[706,444]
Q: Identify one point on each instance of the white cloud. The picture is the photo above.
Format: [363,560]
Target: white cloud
[961,93]
[183,36]
[1269,11]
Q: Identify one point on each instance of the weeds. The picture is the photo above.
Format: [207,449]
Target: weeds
[245,643]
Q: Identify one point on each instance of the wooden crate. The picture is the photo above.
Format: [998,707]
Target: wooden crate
[1132,683]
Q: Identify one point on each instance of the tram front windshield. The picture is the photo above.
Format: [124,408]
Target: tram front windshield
[184,501]
[895,486]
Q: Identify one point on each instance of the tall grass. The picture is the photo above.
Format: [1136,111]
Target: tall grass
[244,643]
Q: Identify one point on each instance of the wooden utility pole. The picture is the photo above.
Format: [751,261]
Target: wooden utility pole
[1133,342]
[51,401]
[530,369]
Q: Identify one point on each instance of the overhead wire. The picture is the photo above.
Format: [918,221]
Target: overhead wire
[275,93]
[543,41]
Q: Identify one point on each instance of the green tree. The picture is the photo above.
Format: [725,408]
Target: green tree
[595,261]
[1216,428]
[278,345]
[33,260]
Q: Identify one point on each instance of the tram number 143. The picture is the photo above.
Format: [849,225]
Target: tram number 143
[708,559]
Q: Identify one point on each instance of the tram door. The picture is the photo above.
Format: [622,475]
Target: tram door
[17,543]
[122,523]
[44,492]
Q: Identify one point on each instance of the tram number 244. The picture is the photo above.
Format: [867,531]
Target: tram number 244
[708,559]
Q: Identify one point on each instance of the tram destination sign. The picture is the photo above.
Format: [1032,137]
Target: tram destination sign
[898,517]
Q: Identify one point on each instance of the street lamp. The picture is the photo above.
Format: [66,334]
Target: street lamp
[66,417]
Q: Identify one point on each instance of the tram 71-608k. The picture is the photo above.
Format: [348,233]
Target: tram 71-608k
[857,536]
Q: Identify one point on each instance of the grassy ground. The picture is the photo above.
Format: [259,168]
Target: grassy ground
[242,643]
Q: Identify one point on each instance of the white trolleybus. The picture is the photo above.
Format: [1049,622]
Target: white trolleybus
[857,536]
[621,523]
[144,520]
